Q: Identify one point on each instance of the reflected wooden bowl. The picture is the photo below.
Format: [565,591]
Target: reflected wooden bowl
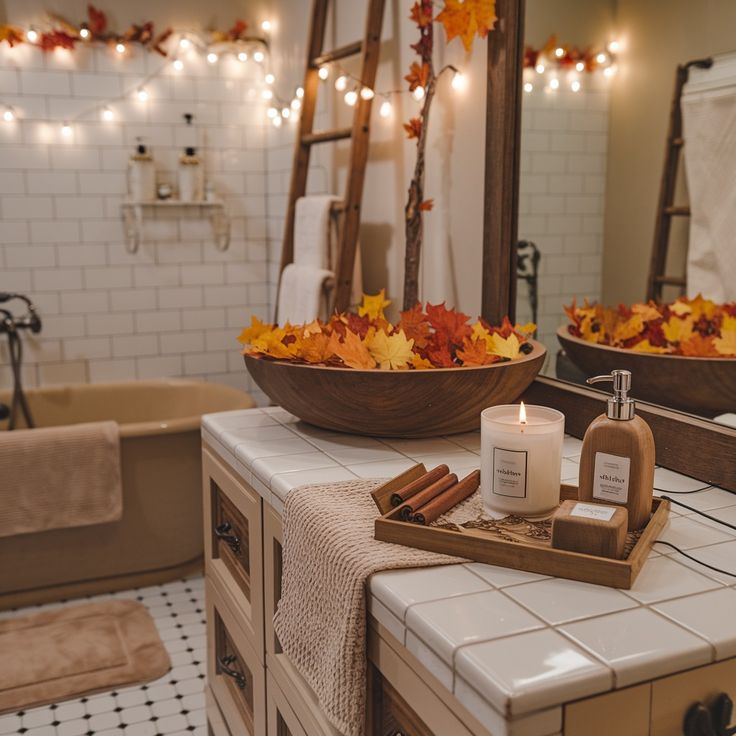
[704,386]
[425,403]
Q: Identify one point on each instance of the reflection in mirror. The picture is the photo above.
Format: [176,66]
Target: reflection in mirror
[596,169]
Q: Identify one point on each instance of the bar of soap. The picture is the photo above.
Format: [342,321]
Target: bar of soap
[591,528]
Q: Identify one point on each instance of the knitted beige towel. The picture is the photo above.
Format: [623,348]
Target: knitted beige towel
[329,553]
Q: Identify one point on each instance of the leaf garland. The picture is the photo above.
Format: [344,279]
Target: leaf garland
[423,339]
[695,327]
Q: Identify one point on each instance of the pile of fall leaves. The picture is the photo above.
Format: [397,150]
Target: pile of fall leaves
[695,327]
[434,337]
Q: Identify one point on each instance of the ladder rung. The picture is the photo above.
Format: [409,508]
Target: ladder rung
[678,210]
[677,142]
[350,49]
[326,135]
[670,280]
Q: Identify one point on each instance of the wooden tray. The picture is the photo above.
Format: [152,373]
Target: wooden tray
[539,557]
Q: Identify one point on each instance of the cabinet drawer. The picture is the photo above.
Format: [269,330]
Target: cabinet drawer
[216,725]
[234,672]
[272,568]
[282,720]
[233,543]
[391,713]
[673,696]
[613,714]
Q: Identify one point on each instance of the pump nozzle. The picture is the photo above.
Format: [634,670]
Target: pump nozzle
[620,406]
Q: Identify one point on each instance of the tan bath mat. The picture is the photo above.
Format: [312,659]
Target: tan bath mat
[56,655]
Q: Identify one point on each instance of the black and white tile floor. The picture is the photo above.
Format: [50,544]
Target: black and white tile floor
[171,706]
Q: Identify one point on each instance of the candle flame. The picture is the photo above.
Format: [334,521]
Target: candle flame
[522,413]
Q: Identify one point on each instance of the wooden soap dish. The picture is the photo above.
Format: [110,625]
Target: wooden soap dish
[523,554]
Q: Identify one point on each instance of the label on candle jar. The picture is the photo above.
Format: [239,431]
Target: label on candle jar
[611,478]
[509,472]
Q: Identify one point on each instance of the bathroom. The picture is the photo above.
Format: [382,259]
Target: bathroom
[174,362]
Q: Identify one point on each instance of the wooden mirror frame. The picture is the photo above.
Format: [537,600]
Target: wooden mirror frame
[676,434]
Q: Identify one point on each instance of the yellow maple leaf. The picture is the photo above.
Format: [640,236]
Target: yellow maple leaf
[373,305]
[271,343]
[466,18]
[506,347]
[312,328]
[648,312]
[726,343]
[677,330]
[644,346]
[629,328]
[481,333]
[420,363]
[681,307]
[703,307]
[256,329]
[391,352]
[728,323]
[527,329]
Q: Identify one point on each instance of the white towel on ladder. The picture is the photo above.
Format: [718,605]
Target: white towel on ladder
[304,294]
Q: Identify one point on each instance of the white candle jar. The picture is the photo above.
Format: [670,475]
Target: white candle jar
[521,461]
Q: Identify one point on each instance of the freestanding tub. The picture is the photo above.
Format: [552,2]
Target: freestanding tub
[160,534]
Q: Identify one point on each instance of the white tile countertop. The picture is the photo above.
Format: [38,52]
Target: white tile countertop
[514,646]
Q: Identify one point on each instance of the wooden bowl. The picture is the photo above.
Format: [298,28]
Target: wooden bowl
[704,386]
[425,403]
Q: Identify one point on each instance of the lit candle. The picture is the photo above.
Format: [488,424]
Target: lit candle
[521,458]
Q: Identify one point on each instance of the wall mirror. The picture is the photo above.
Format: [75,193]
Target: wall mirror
[593,83]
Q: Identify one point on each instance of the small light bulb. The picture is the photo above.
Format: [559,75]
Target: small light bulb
[267,94]
[554,83]
[184,43]
[66,129]
[341,83]
[212,57]
[178,65]
[528,87]
[385,109]
[32,36]
[614,47]
[266,26]
[539,68]
[107,114]
[8,115]
[351,97]
[84,33]
[575,85]
[142,94]
[601,58]
[120,48]
[277,121]
[269,78]
[285,113]
[323,72]
[418,92]
[242,56]
[610,71]
[367,93]
[296,104]
[580,66]
[559,52]
[299,92]
[259,56]
[272,112]
[458,81]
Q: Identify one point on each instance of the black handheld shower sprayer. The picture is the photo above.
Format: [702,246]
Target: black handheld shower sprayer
[12,326]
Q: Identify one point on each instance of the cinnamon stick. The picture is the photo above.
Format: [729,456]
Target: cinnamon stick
[406,509]
[443,502]
[405,493]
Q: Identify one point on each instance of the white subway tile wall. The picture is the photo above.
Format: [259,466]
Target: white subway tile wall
[176,307]
[563,172]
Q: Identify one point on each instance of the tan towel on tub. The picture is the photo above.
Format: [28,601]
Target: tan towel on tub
[329,554]
[59,477]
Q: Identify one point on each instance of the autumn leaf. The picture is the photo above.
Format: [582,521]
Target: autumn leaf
[413,128]
[354,352]
[644,346]
[528,329]
[728,323]
[703,307]
[10,34]
[440,355]
[699,346]
[506,347]
[466,18]
[628,329]
[56,39]
[391,351]
[726,343]
[315,348]
[256,329]
[271,343]
[418,75]
[426,205]
[312,328]
[421,14]
[475,353]
[238,29]
[415,326]
[419,363]
[681,307]
[647,312]
[97,20]
[374,305]
[450,323]
[676,329]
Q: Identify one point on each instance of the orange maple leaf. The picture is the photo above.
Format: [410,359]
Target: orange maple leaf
[415,326]
[475,352]
[418,75]
[413,128]
[449,323]
[426,205]
[354,352]
[699,346]
[467,18]
[419,363]
[420,14]
[315,348]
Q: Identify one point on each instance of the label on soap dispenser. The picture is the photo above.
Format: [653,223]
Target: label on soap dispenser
[509,472]
[611,477]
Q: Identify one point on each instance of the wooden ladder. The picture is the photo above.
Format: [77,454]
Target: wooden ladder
[666,207]
[307,137]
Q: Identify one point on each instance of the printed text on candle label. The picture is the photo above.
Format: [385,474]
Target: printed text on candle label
[592,511]
[611,477]
[509,472]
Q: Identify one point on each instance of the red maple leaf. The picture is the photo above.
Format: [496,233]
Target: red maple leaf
[238,29]
[97,20]
[413,128]
[439,354]
[56,39]
[421,13]
[426,205]
[449,323]
[415,326]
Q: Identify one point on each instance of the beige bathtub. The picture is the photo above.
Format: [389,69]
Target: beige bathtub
[160,534]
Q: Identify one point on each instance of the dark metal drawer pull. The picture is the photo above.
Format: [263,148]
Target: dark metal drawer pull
[710,721]
[222,533]
[223,664]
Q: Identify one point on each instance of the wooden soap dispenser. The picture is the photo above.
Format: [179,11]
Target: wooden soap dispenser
[617,461]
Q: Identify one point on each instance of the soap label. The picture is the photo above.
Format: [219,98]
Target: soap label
[593,511]
[611,477]
[509,472]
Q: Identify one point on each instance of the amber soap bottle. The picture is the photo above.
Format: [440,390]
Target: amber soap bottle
[617,461]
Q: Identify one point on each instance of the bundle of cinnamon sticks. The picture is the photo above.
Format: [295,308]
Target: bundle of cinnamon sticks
[428,497]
